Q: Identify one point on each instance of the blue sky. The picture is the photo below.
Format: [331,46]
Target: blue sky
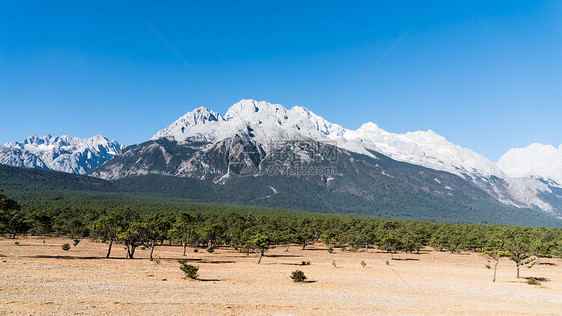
[484,74]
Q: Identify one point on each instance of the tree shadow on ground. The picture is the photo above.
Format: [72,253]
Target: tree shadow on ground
[201,260]
[122,258]
[244,256]
[73,257]
[422,252]
[406,259]
[186,259]
[209,280]
[294,264]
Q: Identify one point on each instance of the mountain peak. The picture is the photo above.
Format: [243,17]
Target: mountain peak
[535,160]
[199,121]
[247,109]
[369,127]
[200,115]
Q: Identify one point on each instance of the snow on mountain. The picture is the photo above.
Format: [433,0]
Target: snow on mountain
[67,154]
[200,124]
[427,149]
[272,122]
[535,160]
[267,123]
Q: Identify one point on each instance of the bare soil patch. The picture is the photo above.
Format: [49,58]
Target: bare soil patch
[38,277]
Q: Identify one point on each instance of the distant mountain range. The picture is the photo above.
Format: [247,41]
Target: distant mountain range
[67,154]
[292,157]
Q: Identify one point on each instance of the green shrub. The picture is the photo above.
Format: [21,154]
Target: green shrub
[533,281]
[363,264]
[330,250]
[76,241]
[298,276]
[195,250]
[190,270]
[488,266]
[16,242]
[65,247]
[305,263]
[210,249]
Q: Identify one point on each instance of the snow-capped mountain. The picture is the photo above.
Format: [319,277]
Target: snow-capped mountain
[206,145]
[67,154]
[269,123]
[535,175]
[535,160]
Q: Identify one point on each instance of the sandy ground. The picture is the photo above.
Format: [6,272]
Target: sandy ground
[38,278]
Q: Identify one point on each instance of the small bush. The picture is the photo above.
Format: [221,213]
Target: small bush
[334,263]
[65,247]
[533,281]
[76,241]
[363,264]
[488,266]
[387,262]
[143,248]
[182,261]
[330,250]
[210,249]
[305,263]
[541,279]
[298,276]
[190,270]
[195,250]
[16,242]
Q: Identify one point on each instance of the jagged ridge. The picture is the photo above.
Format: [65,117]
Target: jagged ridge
[67,154]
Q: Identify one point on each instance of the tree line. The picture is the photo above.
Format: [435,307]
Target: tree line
[257,230]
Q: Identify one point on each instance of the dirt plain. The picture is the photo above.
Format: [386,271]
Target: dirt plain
[38,278]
